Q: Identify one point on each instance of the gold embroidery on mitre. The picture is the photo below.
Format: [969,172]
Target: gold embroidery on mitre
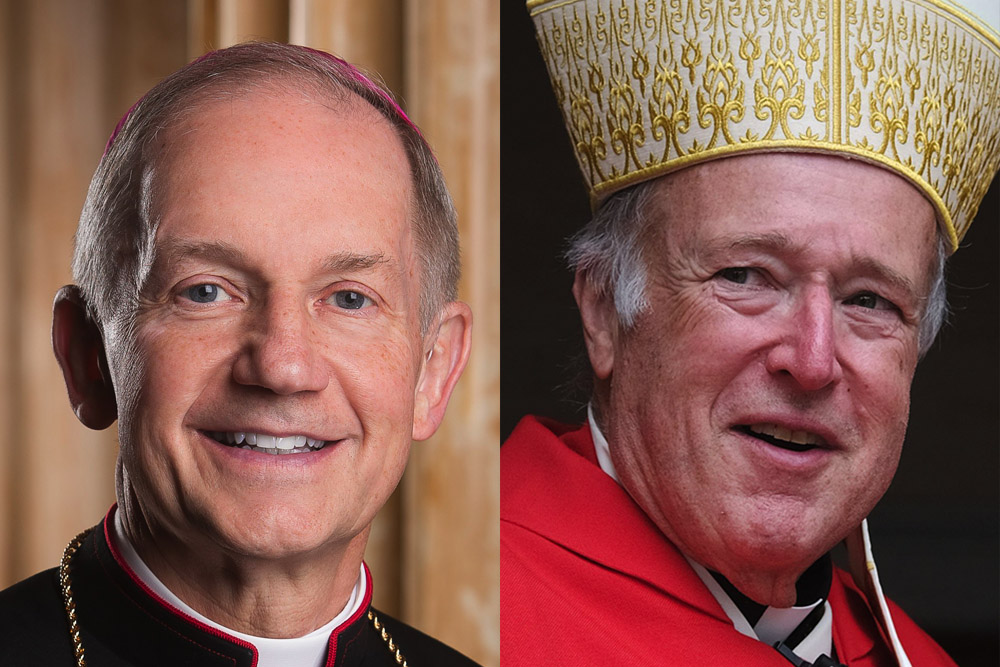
[651,86]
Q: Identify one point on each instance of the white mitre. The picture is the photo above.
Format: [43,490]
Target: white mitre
[651,86]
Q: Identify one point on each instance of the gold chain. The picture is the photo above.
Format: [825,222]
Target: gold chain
[387,638]
[74,627]
[67,593]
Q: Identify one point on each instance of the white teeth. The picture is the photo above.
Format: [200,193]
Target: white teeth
[788,435]
[289,444]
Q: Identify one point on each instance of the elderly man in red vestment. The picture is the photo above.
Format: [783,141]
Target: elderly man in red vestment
[762,273]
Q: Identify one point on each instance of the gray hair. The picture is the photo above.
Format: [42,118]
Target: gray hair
[609,249]
[114,240]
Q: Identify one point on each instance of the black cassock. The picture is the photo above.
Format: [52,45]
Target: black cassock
[123,624]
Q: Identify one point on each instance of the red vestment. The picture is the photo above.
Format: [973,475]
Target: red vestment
[587,579]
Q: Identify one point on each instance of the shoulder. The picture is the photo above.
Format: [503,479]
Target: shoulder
[33,625]
[420,649]
[532,430]
[542,445]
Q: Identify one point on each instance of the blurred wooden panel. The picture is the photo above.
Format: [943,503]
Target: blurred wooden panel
[241,20]
[216,24]
[144,42]
[7,296]
[202,27]
[64,478]
[365,33]
[451,536]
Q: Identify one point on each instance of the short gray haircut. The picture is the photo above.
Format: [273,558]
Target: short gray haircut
[609,250]
[114,240]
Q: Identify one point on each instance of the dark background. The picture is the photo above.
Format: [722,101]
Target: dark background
[935,533]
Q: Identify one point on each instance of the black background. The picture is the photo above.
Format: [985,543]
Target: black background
[936,531]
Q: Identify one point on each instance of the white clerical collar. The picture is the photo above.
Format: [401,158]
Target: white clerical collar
[308,651]
[601,447]
[776,623]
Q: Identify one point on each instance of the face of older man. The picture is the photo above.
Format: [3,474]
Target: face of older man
[757,409]
[281,313]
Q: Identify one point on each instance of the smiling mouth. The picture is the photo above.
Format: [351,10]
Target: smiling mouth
[794,441]
[268,444]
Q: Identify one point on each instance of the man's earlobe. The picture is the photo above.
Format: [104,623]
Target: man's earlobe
[445,359]
[79,348]
[597,313]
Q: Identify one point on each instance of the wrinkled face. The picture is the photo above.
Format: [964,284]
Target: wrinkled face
[758,407]
[277,345]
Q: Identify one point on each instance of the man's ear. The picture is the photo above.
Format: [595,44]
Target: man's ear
[79,348]
[600,322]
[447,352]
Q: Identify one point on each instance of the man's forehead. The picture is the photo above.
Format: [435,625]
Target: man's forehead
[277,172]
[752,181]
[280,120]
[775,202]
[213,106]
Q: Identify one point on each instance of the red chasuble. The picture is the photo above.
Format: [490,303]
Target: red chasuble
[587,579]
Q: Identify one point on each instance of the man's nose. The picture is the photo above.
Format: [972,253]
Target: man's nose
[281,353]
[807,349]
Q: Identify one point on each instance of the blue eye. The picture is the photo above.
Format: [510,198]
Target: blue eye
[349,300]
[206,293]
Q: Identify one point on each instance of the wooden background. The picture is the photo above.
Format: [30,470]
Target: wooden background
[69,70]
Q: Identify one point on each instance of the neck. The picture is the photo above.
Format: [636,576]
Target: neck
[812,586]
[275,598]
[768,589]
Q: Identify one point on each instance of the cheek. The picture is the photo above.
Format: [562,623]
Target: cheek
[879,377]
[675,332]
[179,364]
[379,379]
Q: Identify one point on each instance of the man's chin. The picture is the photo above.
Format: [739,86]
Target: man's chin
[762,560]
[283,536]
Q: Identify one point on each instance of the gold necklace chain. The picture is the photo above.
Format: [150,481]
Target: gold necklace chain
[387,638]
[74,627]
[67,592]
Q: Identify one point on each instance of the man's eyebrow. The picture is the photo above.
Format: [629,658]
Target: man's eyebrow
[887,274]
[175,250]
[349,261]
[771,241]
